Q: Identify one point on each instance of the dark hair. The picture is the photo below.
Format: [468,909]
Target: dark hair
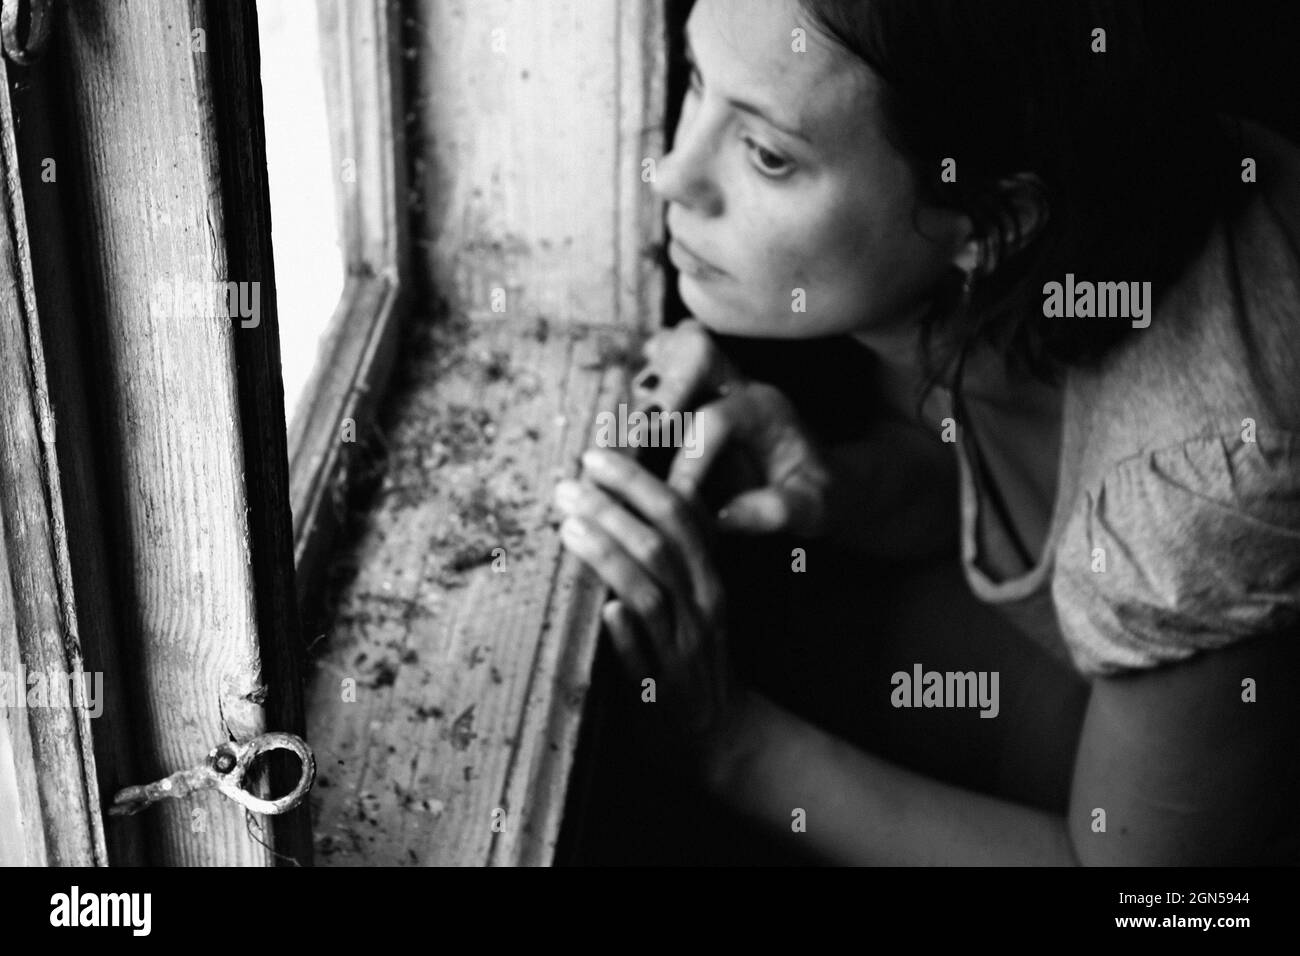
[1133,165]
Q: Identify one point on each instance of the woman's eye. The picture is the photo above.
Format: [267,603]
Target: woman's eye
[768,162]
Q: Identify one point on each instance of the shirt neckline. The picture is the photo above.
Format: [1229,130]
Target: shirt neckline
[1026,584]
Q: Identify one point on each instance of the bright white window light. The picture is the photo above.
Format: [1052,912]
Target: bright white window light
[304,216]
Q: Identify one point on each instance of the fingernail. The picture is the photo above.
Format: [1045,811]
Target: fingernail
[648,381]
[593,458]
[566,494]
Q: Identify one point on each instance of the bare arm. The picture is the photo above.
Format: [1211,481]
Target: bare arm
[860,809]
[1186,772]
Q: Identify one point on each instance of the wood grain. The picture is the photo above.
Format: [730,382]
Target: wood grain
[60,350]
[53,756]
[169,178]
[469,680]
[239,130]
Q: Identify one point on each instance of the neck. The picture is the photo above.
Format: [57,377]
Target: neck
[897,345]
[896,349]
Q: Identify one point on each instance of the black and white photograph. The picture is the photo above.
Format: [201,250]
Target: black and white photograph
[651,433]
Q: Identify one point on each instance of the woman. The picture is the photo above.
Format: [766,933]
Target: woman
[1081,286]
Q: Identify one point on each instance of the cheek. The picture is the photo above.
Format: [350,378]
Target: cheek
[830,255]
[787,245]
[852,253]
[869,258]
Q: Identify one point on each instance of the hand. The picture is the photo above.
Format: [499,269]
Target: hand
[789,487]
[751,447]
[647,543]
[685,367]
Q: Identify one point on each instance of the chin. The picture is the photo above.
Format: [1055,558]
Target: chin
[743,326]
[727,318]
[737,322]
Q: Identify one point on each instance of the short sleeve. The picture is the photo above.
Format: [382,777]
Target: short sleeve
[1179,550]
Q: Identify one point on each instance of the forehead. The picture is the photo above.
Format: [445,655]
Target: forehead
[748,51]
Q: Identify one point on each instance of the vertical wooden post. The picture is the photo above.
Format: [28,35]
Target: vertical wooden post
[59,511]
[162,111]
[52,775]
[246,195]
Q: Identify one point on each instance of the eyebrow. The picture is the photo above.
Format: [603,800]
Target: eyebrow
[742,105]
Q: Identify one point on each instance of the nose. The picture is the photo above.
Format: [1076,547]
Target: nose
[685,176]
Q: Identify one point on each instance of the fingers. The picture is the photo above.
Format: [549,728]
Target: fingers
[685,366]
[728,419]
[622,630]
[687,334]
[760,420]
[629,580]
[668,513]
[771,510]
[645,545]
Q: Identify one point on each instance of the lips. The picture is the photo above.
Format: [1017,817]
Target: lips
[688,260]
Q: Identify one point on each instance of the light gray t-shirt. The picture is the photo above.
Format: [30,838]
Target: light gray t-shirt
[1174,526]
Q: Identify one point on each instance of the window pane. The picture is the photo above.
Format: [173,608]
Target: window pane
[304,213]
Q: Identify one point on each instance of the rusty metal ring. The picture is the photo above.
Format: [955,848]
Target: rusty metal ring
[231,783]
[38,19]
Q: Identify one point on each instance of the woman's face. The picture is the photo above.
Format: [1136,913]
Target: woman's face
[781,179]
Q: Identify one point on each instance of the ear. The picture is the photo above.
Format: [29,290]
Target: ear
[1024,204]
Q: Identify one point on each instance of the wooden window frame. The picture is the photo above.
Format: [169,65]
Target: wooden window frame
[52,606]
[148,520]
[362,64]
[198,552]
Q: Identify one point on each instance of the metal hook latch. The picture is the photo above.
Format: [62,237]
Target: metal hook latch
[36,15]
[224,770]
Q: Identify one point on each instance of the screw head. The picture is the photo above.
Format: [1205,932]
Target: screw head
[224,761]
